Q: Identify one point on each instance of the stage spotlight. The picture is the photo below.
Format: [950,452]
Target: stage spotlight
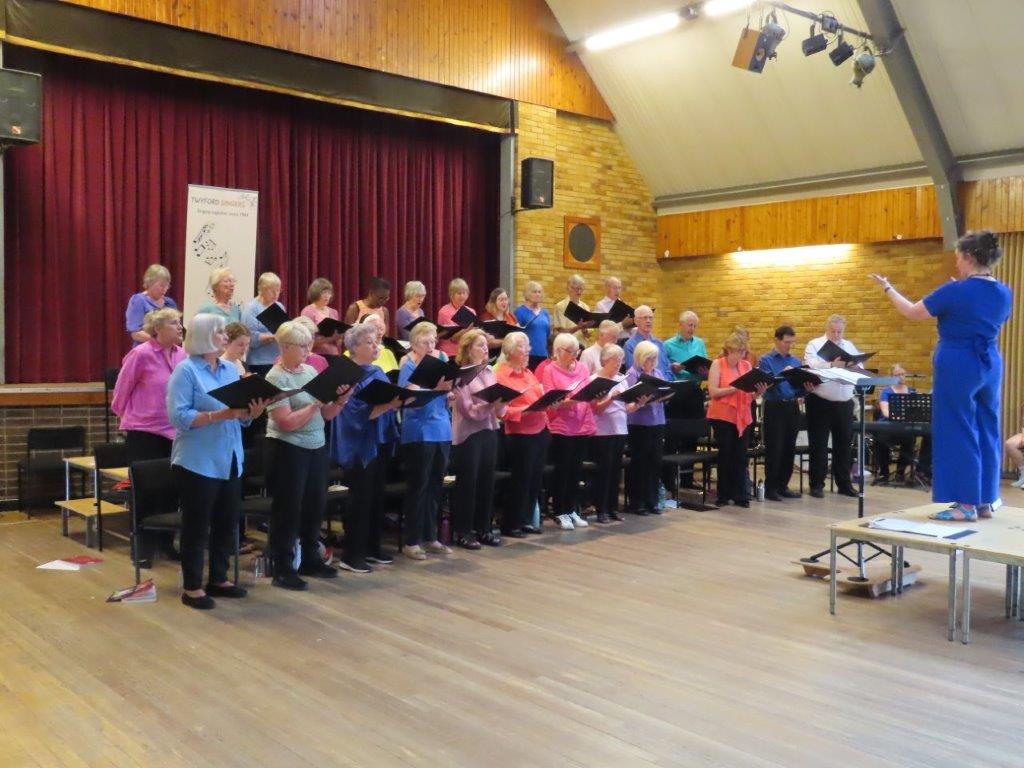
[816,43]
[841,52]
[862,66]
[773,34]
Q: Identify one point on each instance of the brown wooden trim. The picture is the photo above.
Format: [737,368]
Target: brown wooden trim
[17,395]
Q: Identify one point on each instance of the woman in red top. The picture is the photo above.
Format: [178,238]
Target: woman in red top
[526,433]
[731,419]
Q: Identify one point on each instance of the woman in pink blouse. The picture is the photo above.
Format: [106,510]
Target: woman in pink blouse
[571,424]
[475,447]
[140,401]
[458,292]
[320,294]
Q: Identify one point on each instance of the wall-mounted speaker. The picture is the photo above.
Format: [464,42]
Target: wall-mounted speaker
[752,51]
[581,243]
[21,95]
[537,182]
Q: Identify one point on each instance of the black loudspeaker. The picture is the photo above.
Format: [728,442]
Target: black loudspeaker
[21,96]
[538,183]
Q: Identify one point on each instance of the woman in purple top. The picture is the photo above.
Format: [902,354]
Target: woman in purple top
[412,309]
[475,448]
[140,401]
[646,435]
[155,283]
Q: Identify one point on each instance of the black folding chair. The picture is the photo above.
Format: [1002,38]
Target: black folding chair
[44,458]
[109,382]
[107,456]
[694,431]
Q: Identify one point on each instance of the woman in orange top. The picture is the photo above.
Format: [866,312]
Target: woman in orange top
[526,434]
[731,419]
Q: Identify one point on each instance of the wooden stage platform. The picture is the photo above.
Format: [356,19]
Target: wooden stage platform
[688,639]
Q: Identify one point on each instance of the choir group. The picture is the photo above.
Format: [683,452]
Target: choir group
[566,386]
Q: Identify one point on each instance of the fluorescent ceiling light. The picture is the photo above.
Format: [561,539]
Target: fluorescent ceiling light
[794,257]
[723,7]
[637,30]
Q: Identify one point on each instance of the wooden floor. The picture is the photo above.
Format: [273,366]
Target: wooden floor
[684,640]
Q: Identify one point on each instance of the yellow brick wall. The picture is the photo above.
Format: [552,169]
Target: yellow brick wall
[724,293]
[594,177]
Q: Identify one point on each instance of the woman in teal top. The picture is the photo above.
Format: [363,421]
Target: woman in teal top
[968,372]
[297,461]
[426,442]
[222,286]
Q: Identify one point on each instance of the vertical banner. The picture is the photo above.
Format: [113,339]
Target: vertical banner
[220,231]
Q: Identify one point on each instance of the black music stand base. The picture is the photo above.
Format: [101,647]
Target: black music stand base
[860,561]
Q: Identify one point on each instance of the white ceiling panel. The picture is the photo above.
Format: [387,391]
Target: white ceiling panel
[693,122]
[968,53]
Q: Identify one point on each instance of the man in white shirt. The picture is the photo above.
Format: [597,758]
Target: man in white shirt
[612,288]
[830,412]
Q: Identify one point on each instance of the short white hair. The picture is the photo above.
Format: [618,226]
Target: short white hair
[414,288]
[219,274]
[644,351]
[373,318]
[268,279]
[612,279]
[511,341]
[835,320]
[576,280]
[155,272]
[293,332]
[613,350]
[421,329]
[359,333]
[643,309]
[158,318]
[532,285]
[199,339]
[689,315]
[609,326]
[565,341]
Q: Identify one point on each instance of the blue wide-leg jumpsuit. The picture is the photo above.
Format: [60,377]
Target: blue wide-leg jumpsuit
[968,372]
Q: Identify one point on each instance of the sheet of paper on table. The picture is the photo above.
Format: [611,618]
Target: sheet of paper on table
[935,530]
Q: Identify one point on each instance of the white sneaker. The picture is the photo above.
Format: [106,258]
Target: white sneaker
[578,521]
[1019,482]
[565,522]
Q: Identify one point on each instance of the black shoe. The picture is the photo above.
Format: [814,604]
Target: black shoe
[203,603]
[354,567]
[788,494]
[379,559]
[616,517]
[467,542]
[228,590]
[534,529]
[513,534]
[638,512]
[773,496]
[602,518]
[847,492]
[745,503]
[490,539]
[290,581]
[818,493]
[145,563]
[319,571]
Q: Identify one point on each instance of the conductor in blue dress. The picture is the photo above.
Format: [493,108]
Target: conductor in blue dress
[968,372]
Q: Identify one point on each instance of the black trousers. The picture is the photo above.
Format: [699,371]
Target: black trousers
[209,518]
[732,460]
[607,451]
[688,404]
[781,425]
[883,445]
[364,517]
[425,464]
[297,481]
[646,445]
[824,418]
[567,453]
[526,456]
[146,446]
[474,461]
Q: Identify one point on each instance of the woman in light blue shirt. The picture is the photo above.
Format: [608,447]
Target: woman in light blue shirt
[263,350]
[207,459]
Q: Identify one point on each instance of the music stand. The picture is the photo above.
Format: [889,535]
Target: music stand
[910,408]
[862,388]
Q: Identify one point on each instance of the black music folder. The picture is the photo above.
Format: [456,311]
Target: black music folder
[579,315]
[595,390]
[496,392]
[748,381]
[393,375]
[638,390]
[329,327]
[698,366]
[419,320]
[238,394]
[667,389]
[340,372]
[273,317]
[619,311]
[548,399]
[431,371]
[379,392]
[831,351]
[800,376]
[499,329]
[463,317]
[398,349]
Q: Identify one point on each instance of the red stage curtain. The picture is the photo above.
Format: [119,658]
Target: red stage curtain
[344,194]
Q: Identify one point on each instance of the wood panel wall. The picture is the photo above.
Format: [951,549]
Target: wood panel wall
[1011,341]
[908,213]
[509,48]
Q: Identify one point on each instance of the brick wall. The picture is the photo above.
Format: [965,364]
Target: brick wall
[16,421]
[594,177]
[725,292]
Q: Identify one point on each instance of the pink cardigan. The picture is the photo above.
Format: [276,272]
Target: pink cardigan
[575,419]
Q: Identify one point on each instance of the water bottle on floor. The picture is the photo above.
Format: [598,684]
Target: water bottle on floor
[760,490]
